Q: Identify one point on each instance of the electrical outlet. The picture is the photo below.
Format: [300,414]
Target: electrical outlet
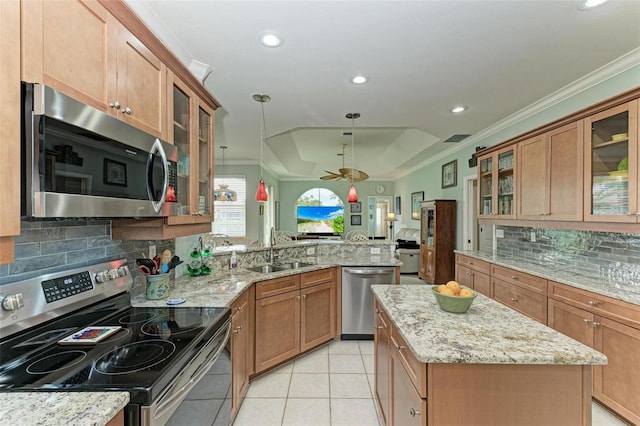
[152,251]
[311,251]
[375,250]
[499,233]
[533,237]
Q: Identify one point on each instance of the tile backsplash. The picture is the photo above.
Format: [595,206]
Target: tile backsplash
[57,245]
[615,256]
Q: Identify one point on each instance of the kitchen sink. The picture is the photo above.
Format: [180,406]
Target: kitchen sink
[275,267]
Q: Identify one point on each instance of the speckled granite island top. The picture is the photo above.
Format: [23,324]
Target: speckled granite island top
[60,408]
[489,333]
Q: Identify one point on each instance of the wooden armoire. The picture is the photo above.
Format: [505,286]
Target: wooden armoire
[437,241]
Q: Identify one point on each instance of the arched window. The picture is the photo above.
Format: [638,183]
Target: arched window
[320,211]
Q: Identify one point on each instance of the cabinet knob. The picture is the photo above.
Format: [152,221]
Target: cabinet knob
[377,311]
[514,278]
[514,299]
[471,273]
[298,297]
[304,296]
[586,320]
[631,214]
[413,412]
[592,303]
[126,110]
[399,347]
[595,324]
[379,327]
[115,105]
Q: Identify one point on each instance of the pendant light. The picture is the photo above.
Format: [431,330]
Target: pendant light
[353,195]
[261,193]
[223,193]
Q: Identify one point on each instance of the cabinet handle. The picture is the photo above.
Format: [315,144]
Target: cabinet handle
[514,299]
[115,105]
[126,110]
[586,320]
[514,278]
[414,412]
[471,273]
[470,263]
[399,347]
[236,331]
[595,324]
[298,297]
[377,311]
[379,327]
[592,303]
[304,296]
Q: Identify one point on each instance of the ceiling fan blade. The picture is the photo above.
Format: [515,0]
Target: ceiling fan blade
[354,175]
[331,176]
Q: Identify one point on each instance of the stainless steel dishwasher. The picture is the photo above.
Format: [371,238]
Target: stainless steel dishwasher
[357,299]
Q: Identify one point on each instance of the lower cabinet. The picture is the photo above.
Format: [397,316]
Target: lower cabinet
[382,363]
[293,314]
[239,350]
[409,409]
[524,301]
[611,327]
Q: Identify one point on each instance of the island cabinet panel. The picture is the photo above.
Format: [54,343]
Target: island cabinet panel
[382,361]
[509,394]
[617,384]
[290,320]
[239,349]
[524,301]
[474,274]
[409,408]
[416,371]
[574,322]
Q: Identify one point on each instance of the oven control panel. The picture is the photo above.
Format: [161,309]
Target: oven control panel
[70,285]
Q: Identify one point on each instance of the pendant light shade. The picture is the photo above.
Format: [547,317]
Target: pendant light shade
[261,193]
[223,193]
[353,196]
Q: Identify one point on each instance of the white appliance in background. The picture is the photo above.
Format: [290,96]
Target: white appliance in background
[358,316]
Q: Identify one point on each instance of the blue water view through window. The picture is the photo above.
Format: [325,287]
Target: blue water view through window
[320,210]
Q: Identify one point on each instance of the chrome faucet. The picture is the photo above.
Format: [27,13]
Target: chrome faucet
[272,256]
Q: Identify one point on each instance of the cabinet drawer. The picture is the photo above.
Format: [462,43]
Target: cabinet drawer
[618,310]
[475,264]
[524,301]
[381,318]
[529,282]
[239,305]
[277,286]
[416,371]
[316,277]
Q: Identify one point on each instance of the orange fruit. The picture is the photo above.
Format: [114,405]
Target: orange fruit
[441,287]
[448,291]
[465,292]
[453,285]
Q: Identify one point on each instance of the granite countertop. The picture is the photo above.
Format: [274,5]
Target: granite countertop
[224,286]
[596,284]
[489,333]
[60,408]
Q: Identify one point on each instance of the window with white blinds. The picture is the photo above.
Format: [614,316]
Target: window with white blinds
[230,216]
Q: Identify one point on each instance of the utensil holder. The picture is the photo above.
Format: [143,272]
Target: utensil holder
[157,286]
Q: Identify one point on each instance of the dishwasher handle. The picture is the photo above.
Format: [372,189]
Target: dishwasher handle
[369,271]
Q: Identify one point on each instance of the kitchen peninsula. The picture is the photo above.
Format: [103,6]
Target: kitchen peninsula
[490,366]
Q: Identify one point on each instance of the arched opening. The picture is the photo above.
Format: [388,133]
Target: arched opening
[320,211]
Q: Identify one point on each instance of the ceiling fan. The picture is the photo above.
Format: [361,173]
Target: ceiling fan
[350,174]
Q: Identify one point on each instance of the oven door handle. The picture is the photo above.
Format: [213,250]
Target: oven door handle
[157,149]
[177,397]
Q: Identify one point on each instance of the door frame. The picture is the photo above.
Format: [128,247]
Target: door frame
[469,221]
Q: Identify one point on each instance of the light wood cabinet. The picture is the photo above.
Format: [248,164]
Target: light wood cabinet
[524,301]
[292,315]
[409,408]
[550,175]
[611,187]
[382,359]
[240,340]
[474,274]
[9,127]
[103,64]
[496,183]
[611,327]
[437,240]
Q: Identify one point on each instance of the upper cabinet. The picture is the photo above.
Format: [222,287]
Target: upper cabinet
[496,179]
[550,175]
[611,165]
[79,48]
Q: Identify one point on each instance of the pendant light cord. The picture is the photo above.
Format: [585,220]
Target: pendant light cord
[262,133]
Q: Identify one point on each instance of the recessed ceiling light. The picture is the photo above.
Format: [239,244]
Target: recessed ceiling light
[590,4]
[359,79]
[270,39]
[458,109]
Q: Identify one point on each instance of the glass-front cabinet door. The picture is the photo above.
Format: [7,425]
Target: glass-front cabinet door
[497,184]
[181,127]
[205,160]
[611,165]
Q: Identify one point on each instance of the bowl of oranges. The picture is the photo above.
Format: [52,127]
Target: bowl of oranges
[452,297]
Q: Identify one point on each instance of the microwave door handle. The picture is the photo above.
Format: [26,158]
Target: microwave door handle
[157,149]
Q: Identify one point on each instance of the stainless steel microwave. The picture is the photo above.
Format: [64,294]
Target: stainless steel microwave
[78,161]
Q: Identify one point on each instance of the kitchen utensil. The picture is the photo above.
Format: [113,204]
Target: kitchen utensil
[175,261]
[165,261]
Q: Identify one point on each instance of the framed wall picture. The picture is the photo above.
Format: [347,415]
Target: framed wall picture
[356,207]
[450,174]
[398,206]
[356,219]
[416,198]
[115,173]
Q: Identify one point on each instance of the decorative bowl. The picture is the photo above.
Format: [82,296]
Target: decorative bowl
[619,136]
[454,304]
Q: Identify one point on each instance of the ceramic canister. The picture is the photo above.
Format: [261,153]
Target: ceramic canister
[157,286]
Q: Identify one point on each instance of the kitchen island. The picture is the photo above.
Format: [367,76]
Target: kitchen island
[490,366]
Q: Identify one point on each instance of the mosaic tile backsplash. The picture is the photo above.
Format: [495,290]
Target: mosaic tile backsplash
[615,256]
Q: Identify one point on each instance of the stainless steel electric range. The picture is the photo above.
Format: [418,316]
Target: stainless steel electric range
[156,354]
